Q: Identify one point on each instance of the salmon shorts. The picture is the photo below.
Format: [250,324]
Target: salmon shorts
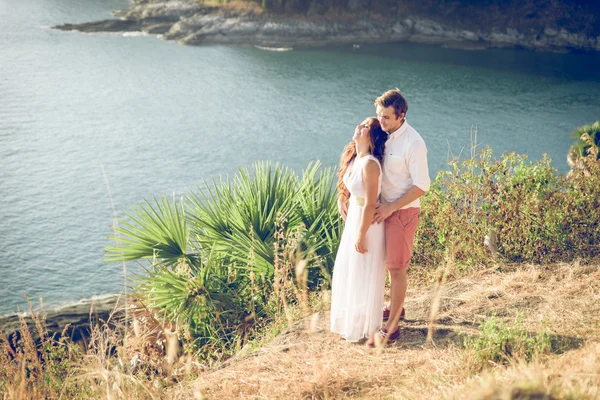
[400,230]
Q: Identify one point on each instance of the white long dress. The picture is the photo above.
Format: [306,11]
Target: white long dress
[358,279]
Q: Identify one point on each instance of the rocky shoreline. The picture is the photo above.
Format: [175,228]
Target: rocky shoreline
[76,318]
[191,23]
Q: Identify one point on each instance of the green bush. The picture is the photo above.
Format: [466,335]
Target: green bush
[536,214]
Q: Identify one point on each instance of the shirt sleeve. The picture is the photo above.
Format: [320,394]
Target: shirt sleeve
[417,165]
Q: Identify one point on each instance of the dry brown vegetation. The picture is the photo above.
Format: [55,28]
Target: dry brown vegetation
[305,360]
[238,7]
[310,362]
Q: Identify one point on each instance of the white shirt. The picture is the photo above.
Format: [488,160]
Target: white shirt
[404,165]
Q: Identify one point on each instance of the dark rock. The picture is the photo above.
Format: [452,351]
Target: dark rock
[107,25]
[158,29]
[79,317]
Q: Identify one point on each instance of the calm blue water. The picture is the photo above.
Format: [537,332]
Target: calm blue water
[158,117]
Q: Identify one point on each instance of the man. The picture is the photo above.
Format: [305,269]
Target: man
[405,179]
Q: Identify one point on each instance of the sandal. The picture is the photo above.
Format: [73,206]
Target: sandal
[385,338]
[383,333]
[386,314]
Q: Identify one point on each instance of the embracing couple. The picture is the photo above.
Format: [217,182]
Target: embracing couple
[382,174]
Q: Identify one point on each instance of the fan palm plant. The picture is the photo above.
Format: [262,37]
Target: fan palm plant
[213,254]
[237,219]
[316,206]
[204,305]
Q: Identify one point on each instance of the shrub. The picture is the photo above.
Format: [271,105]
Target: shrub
[588,140]
[36,364]
[534,213]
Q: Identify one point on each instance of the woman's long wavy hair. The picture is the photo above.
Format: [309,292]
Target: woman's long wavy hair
[376,147]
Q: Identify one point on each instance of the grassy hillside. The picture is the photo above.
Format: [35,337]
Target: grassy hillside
[508,332]
[463,359]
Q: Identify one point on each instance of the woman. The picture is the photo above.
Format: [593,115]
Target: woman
[359,270]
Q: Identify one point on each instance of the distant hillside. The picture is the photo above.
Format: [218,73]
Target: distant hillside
[542,25]
[582,16]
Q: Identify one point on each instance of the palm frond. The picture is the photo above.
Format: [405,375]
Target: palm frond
[239,217]
[317,207]
[206,304]
[155,231]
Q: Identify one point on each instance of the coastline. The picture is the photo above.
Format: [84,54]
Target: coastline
[78,316]
[195,24]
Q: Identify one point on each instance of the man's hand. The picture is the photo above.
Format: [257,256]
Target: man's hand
[343,208]
[382,212]
[361,245]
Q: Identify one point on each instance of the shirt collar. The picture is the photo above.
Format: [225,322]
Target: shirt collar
[398,132]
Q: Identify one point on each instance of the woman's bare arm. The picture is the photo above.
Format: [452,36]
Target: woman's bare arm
[370,174]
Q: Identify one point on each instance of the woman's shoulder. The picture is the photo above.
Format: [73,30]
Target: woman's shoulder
[372,159]
[372,163]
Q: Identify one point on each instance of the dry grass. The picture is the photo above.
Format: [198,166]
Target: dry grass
[301,364]
[307,361]
[312,363]
[573,375]
[565,296]
[238,7]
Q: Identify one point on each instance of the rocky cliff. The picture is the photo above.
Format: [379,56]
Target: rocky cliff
[545,25]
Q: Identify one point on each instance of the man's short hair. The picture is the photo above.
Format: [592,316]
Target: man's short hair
[395,99]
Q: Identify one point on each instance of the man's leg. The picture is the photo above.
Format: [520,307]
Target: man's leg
[399,283]
[400,229]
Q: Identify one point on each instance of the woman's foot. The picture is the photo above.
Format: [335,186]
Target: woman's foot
[371,340]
